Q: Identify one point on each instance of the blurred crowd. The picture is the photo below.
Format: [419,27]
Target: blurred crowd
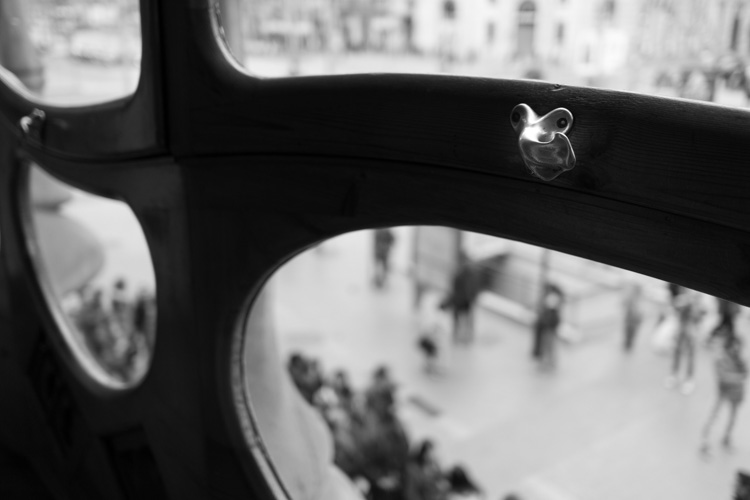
[371,445]
[703,82]
[687,318]
[118,329]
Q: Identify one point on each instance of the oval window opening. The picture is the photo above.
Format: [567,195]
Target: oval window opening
[451,364]
[72,52]
[95,270]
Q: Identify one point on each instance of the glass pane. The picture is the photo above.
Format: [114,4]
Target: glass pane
[96,271]
[534,372]
[692,49]
[72,51]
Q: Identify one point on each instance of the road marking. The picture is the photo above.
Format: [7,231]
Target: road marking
[540,489]
[424,405]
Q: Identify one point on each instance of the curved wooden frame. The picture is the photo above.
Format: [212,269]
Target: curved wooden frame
[231,175]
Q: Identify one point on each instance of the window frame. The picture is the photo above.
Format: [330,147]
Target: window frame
[129,127]
[231,175]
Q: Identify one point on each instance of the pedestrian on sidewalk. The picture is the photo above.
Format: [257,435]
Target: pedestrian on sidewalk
[424,478]
[306,376]
[347,451]
[465,287]
[685,304]
[348,400]
[429,349]
[380,393]
[434,334]
[731,374]
[93,323]
[462,486]
[383,243]
[547,325]
[144,316]
[633,314]
[742,486]
[725,327]
[384,446]
[120,304]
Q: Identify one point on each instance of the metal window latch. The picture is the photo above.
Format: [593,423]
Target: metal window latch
[545,149]
[32,125]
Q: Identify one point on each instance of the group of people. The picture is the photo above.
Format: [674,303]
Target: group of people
[729,365]
[117,330]
[449,317]
[371,445]
[685,312]
[681,324]
[466,283]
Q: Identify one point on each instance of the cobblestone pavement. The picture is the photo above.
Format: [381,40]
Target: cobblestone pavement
[601,427]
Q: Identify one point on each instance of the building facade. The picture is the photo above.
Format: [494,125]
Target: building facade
[590,38]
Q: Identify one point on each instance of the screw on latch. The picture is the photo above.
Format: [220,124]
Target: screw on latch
[32,125]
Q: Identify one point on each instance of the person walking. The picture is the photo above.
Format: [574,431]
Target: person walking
[380,392]
[633,314]
[731,374]
[344,393]
[383,243]
[434,334]
[547,325]
[120,304]
[384,446]
[725,327]
[465,287]
[93,323]
[305,375]
[144,317]
[424,479]
[684,303]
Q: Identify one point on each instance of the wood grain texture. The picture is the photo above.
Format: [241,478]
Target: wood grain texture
[680,156]
[316,195]
[675,155]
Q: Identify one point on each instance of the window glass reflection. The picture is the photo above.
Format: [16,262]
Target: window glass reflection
[437,363]
[95,268]
[693,49]
[72,51]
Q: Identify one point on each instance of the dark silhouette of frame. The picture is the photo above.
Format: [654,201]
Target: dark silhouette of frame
[231,175]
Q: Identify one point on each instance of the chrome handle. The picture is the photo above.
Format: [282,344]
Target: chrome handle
[545,149]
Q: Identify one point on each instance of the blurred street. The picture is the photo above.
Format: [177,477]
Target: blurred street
[601,426]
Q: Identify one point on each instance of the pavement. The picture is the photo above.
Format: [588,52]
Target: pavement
[600,426]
